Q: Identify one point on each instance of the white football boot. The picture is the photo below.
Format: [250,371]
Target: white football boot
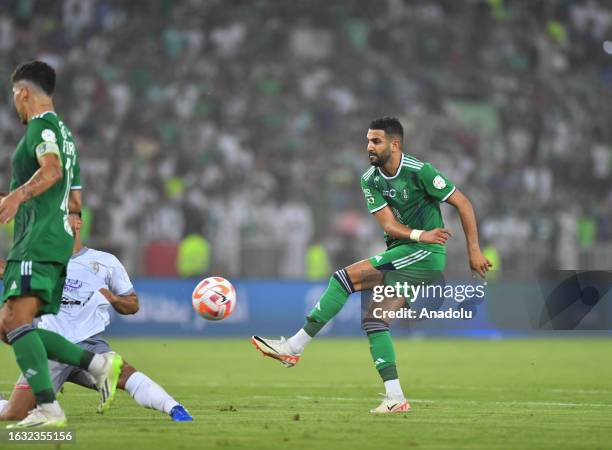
[277,349]
[46,415]
[391,405]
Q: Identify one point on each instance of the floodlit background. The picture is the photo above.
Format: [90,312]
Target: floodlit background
[222,137]
[235,130]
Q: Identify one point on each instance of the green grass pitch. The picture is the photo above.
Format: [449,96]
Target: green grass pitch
[465,394]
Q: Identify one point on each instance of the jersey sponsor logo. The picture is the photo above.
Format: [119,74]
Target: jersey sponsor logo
[48,135]
[389,193]
[72,285]
[68,302]
[439,182]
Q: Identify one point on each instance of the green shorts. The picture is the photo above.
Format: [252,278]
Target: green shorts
[44,280]
[407,264]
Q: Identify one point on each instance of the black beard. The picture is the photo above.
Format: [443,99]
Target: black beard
[380,161]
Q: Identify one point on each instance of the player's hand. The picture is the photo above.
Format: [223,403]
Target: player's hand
[8,207]
[480,264]
[435,236]
[2,267]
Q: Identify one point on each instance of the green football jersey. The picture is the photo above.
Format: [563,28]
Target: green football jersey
[42,232]
[414,194]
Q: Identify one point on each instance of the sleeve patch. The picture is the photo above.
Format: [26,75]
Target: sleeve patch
[439,182]
[48,135]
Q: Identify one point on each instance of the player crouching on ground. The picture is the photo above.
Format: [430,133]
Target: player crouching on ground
[94,281]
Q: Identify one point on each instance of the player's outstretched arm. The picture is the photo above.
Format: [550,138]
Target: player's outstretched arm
[123,304]
[49,173]
[478,262]
[396,230]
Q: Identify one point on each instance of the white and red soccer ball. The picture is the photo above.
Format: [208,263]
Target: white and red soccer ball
[214,298]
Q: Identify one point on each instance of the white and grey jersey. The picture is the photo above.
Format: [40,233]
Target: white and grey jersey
[85,311]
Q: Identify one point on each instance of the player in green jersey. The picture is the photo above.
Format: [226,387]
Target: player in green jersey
[403,194]
[44,166]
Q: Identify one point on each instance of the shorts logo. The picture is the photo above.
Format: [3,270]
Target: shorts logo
[439,182]
[30,373]
[13,286]
[48,136]
[378,258]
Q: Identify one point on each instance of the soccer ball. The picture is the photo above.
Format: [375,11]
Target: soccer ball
[214,298]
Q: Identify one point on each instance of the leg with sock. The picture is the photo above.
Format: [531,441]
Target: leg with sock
[383,356]
[62,350]
[148,393]
[342,284]
[331,302]
[31,358]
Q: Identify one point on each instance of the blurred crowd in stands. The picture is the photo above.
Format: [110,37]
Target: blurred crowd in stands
[228,137]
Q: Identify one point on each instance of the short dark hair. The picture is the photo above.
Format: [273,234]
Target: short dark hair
[37,72]
[390,125]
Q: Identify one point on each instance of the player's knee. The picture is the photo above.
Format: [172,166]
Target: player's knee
[126,372]
[371,325]
[342,277]
[14,333]
[17,312]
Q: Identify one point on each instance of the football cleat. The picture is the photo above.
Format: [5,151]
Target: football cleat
[106,383]
[391,405]
[47,415]
[180,414]
[277,349]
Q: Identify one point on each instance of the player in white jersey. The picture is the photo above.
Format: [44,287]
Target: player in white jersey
[95,282]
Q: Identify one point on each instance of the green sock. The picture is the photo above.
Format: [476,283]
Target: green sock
[383,354]
[330,304]
[31,358]
[62,350]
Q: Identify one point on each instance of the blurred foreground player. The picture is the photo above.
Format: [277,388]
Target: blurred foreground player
[403,194]
[43,167]
[95,281]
